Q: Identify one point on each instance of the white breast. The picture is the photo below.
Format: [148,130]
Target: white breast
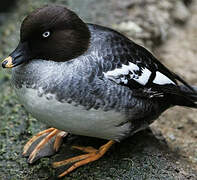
[73,119]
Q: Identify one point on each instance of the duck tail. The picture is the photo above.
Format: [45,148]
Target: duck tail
[187,96]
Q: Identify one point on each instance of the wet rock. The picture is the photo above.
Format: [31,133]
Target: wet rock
[172,137]
[180,13]
[152,16]
[130,28]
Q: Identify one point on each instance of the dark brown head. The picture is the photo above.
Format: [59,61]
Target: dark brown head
[51,33]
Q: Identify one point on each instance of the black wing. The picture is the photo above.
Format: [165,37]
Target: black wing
[131,65]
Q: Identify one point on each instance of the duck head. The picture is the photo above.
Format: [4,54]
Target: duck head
[50,33]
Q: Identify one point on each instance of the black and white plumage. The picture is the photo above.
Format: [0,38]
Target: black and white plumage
[115,77]
[90,80]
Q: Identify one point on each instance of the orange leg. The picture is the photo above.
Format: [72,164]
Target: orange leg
[92,155]
[50,133]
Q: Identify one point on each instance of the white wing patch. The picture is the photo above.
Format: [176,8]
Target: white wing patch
[144,77]
[161,79]
[140,75]
[119,74]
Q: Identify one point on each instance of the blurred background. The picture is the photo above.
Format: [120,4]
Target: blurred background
[168,150]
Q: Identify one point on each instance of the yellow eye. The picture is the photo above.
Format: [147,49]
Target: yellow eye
[46,34]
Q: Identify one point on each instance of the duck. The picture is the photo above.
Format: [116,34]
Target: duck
[88,80]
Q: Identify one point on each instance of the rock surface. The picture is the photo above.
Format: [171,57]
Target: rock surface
[166,151]
[179,54]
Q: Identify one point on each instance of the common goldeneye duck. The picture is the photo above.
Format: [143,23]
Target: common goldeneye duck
[88,80]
